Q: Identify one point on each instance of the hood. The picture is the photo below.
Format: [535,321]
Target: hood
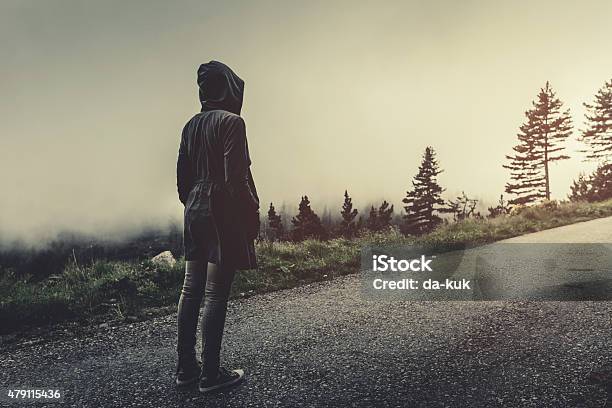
[220,87]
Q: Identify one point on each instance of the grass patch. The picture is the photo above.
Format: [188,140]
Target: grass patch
[122,289]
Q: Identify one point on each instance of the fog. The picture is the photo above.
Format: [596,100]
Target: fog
[339,95]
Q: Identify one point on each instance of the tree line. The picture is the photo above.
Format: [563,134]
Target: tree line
[423,203]
[541,140]
[541,143]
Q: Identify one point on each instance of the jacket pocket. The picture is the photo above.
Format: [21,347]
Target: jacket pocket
[198,201]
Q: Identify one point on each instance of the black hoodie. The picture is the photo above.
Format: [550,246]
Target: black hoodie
[220,88]
[214,167]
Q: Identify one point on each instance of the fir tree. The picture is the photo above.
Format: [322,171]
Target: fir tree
[539,145]
[385,214]
[307,224]
[360,224]
[275,223]
[580,189]
[596,187]
[424,201]
[372,221]
[598,133]
[601,183]
[348,228]
[380,218]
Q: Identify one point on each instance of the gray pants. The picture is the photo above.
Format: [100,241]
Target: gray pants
[212,283]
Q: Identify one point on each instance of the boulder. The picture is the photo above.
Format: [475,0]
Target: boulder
[164,258]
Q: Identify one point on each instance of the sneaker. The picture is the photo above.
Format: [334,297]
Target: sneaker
[188,373]
[225,379]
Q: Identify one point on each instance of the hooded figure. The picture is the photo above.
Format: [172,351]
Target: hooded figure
[213,176]
[221,221]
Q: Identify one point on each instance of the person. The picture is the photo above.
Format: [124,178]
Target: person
[221,221]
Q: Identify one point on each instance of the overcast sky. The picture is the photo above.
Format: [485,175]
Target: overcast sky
[339,95]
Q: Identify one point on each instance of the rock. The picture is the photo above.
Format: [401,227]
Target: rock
[164,258]
[131,319]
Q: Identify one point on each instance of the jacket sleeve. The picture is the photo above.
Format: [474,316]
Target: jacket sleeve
[252,187]
[184,177]
[238,180]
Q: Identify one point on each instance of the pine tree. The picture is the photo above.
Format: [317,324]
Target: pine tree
[360,224]
[385,214]
[596,187]
[602,183]
[307,224]
[539,145]
[275,223]
[372,221]
[580,189]
[598,134]
[380,218]
[424,201]
[348,228]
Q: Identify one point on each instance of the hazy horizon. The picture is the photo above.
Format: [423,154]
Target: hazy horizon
[339,95]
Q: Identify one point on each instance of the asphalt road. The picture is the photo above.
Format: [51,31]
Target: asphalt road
[327,345]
